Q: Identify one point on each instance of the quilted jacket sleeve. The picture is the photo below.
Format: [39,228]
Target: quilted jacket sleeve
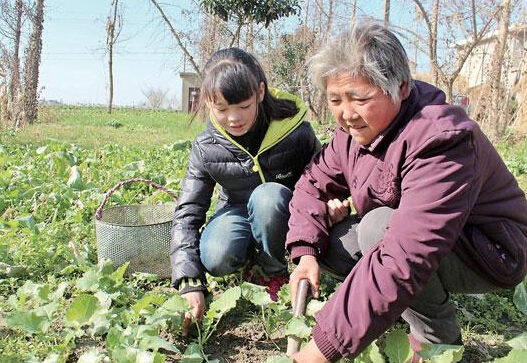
[309,222]
[312,145]
[189,217]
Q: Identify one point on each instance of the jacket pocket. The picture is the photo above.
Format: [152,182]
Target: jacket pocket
[500,250]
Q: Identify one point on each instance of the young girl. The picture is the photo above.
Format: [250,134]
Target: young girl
[255,147]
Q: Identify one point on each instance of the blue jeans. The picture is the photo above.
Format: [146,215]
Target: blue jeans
[235,232]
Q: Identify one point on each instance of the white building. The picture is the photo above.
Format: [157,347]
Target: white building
[476,70]
[190,91]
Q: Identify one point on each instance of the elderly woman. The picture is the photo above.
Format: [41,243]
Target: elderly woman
[437,211]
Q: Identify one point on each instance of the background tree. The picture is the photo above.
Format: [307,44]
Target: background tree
[177,36]
[215,35]
[246,12]
[470,19]
[12,17]
[231,17]
[222,24]
[155,97]
[353,12]
[499,103]
[114,25]
[386,12]
[32,64]
[288,70]
[327,17]
[3,91]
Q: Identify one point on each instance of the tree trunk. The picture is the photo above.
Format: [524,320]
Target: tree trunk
[498,110]
[110,79]
[14,85]
[235,41]
[306,11]
[317,18]
[330,19]
[110,41]
[353,12]
[211,39]
[33,56]
[249,38]
[433,41]
[431,25]
[449,92]
[386,12]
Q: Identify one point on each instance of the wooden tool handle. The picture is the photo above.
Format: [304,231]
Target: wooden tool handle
[302,294]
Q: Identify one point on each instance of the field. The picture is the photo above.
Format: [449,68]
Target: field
[57,304]
[93,127]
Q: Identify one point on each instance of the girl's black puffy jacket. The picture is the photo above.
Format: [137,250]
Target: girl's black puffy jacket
[286,149]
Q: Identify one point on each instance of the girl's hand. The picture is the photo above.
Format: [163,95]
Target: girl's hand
[307,269]
[337,210]
[196,300]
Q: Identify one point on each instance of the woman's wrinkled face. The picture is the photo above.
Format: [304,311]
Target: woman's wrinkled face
[360,108]
[237,118]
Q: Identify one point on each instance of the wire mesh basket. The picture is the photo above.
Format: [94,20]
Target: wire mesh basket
[138,234]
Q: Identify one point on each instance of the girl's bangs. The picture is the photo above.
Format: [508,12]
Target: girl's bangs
[233,82]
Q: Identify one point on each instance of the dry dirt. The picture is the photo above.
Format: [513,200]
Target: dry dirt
[239,338]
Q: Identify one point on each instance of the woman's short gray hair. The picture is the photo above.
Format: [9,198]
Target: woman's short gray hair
[369,50]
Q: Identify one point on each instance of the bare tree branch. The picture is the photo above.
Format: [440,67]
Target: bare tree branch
[236,35]
[177,37]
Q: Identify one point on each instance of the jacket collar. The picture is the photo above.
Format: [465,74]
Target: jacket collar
[422,94]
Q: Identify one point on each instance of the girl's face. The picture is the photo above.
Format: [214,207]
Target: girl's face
[237,118]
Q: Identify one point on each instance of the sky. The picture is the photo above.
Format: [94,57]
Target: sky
[74,63]
[74,66]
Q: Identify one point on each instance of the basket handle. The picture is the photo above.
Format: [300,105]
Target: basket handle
[98,212]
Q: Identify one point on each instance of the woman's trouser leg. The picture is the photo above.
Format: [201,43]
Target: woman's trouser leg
[343,250]
[431,315]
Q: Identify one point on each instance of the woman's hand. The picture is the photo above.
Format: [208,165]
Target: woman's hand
[307,269]
[337,210]
[309,354]
[196,300]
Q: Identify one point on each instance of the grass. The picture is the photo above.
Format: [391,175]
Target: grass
[522,180]
[93,127]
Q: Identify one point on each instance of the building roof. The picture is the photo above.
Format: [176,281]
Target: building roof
[513,29]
